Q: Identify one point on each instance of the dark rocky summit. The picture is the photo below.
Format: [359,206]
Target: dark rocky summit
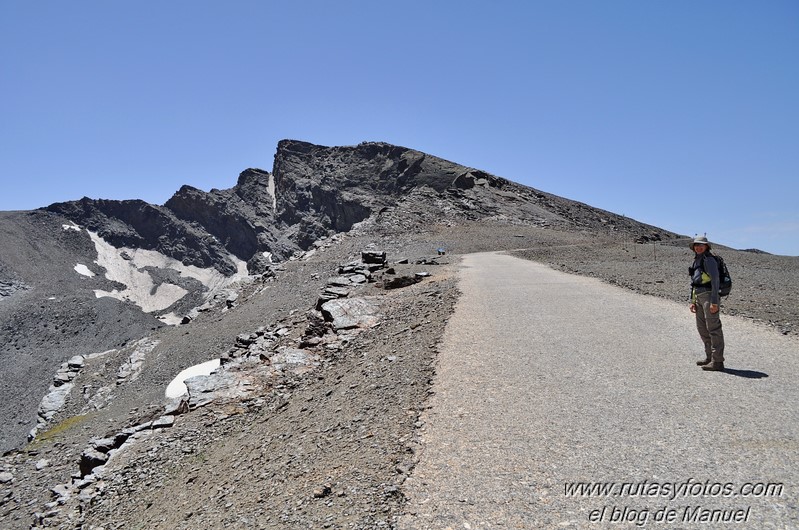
[318,191]
[322,289]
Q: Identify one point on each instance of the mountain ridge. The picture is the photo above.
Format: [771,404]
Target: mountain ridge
[315,191]
[142,291]
[266,218]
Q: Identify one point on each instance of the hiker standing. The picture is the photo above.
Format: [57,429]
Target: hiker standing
[705,303]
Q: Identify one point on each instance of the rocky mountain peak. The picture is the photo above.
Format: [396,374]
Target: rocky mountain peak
[256,187]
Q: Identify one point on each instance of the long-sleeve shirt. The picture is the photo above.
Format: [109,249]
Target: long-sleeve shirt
[706,276]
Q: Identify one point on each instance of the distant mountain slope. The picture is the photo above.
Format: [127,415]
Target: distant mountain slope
[315,191]
[89,275]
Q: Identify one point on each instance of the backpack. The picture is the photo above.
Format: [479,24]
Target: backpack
[725,280]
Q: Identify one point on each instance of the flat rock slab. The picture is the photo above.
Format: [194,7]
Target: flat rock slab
[204,389]
[350,313]
[294,359]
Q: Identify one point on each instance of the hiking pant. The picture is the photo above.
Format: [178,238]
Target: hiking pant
[709,326]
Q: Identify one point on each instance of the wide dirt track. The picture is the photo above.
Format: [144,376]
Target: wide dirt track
[546,379]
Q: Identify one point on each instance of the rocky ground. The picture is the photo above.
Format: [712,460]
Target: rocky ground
[328,446]
[327,357]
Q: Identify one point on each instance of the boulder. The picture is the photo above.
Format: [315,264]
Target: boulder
[347,313]
[90,459]
[54,400]
[339,281]
[400,281]
[76,362]
[337,292]
[373,256]
[358,279]
[245,339]
[231,300]
[204,389]
[163,421]
[260,264]
[104,445]
[290,356]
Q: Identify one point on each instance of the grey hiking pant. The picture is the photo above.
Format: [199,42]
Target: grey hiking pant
[709,327]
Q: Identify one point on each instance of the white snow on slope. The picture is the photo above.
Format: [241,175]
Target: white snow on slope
[80,268]
[270,187]
[140,288]
[177,387]
[73,226]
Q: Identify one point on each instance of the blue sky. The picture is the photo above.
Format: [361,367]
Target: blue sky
[681,114]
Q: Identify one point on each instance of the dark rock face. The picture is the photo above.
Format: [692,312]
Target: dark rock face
[315,191]
[321,189]
[341,186]
[138,224]
[241,218]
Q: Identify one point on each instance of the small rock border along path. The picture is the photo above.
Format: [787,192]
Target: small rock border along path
[548,382]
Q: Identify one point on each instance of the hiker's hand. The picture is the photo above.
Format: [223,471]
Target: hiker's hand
[692,307]
[714,308]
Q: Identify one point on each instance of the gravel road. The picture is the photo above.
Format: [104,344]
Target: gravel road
[546,379]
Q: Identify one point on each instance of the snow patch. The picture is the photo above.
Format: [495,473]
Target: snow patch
[139,286]
[177,387]
[72,226]
[270,187]
[170,319]
[80,268]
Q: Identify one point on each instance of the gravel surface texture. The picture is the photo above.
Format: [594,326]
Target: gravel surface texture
[546,380]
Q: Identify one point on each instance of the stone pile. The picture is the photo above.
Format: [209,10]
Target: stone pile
[253,344]
[352,275]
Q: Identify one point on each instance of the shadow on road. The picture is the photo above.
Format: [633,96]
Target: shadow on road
[748,374]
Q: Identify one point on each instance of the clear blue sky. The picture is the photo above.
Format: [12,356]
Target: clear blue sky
[682,114]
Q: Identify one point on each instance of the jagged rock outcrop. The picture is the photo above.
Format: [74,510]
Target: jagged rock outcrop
[315,191]
[240,218]
[329,189]
[322,189]
[138,224]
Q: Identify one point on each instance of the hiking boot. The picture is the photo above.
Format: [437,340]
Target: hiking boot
[703,362]
[713,367]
